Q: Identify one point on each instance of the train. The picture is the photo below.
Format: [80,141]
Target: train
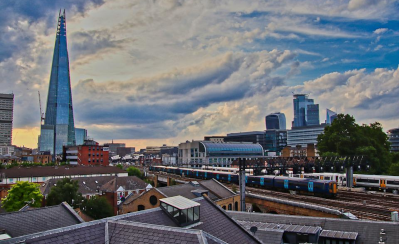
[372,182]
[317,187]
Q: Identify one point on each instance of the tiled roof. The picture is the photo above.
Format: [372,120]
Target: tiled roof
[215,226]
[21,172]
[133,232]
[128,183]
[217,188]
[213,220]
[39,219]
[87,185]
[368,231]
[119,231]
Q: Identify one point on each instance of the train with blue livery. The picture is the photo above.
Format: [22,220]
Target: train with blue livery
[317,187]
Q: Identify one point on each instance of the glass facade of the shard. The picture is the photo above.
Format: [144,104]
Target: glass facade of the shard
[58,129]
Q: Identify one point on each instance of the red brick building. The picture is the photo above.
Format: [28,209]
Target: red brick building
[91,153]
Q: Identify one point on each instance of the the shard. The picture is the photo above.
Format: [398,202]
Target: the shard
[58,129]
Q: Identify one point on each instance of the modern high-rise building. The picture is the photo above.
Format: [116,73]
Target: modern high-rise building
[275,121]
[80,135]
[59,129]
[330,115]
[6,116]
[306,113]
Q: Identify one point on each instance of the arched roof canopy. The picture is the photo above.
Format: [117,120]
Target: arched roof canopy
[231,149]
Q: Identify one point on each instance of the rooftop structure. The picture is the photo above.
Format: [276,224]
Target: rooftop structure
[59,128]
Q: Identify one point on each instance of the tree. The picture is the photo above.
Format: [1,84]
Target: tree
[133,171]
[66,190]
[21,194]
[98,208]
[119,166]
[346,138]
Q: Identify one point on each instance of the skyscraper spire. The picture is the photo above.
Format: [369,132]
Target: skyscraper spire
[59,129]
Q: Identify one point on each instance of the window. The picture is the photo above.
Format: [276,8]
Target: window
[153,200]
[230,206]
[140,208]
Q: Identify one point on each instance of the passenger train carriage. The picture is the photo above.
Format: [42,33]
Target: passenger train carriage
[324,188]
[386,182]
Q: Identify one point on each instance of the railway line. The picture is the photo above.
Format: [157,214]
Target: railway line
[362,205]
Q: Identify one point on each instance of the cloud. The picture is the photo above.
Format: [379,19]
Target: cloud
[380,31]
[359,4]
[178,93]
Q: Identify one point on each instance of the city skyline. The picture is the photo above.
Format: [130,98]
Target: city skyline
[165,72]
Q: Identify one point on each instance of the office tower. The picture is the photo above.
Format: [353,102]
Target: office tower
[81,136]
[275,121]
[58,129]
[305,111]
[330,116]
[6,115]
[312,116]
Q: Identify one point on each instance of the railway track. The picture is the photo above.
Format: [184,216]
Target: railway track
[363,206]
[367,211]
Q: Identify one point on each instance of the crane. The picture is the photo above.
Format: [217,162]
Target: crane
[41,114]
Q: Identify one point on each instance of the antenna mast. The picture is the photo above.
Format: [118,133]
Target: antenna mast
[41,114]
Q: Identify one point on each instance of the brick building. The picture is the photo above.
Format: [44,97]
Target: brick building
[90,153]
[217,192]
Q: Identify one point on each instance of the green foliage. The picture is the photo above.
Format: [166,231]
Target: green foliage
[133,171]
[98,208]
[346,138]
[20,194]
[119,166]
[66,190]
[234,188]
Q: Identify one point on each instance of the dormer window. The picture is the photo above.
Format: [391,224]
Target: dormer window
[181,210]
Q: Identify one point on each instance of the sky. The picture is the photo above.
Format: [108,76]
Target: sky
[149,73]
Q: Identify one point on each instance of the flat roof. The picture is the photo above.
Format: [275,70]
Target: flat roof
[180,202]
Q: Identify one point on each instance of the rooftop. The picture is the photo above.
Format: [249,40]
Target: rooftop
[215,227]
[21,223]
[179,202]
[40,171]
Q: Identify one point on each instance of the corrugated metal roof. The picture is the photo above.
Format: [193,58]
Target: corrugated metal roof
[180,202]
[339,234]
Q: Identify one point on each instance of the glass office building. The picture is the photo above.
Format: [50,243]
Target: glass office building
[306,113]
[330,116]
[59,120]
[81,136]
[275,121]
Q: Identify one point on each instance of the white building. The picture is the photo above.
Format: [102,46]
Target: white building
[198,153]
[304,135]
